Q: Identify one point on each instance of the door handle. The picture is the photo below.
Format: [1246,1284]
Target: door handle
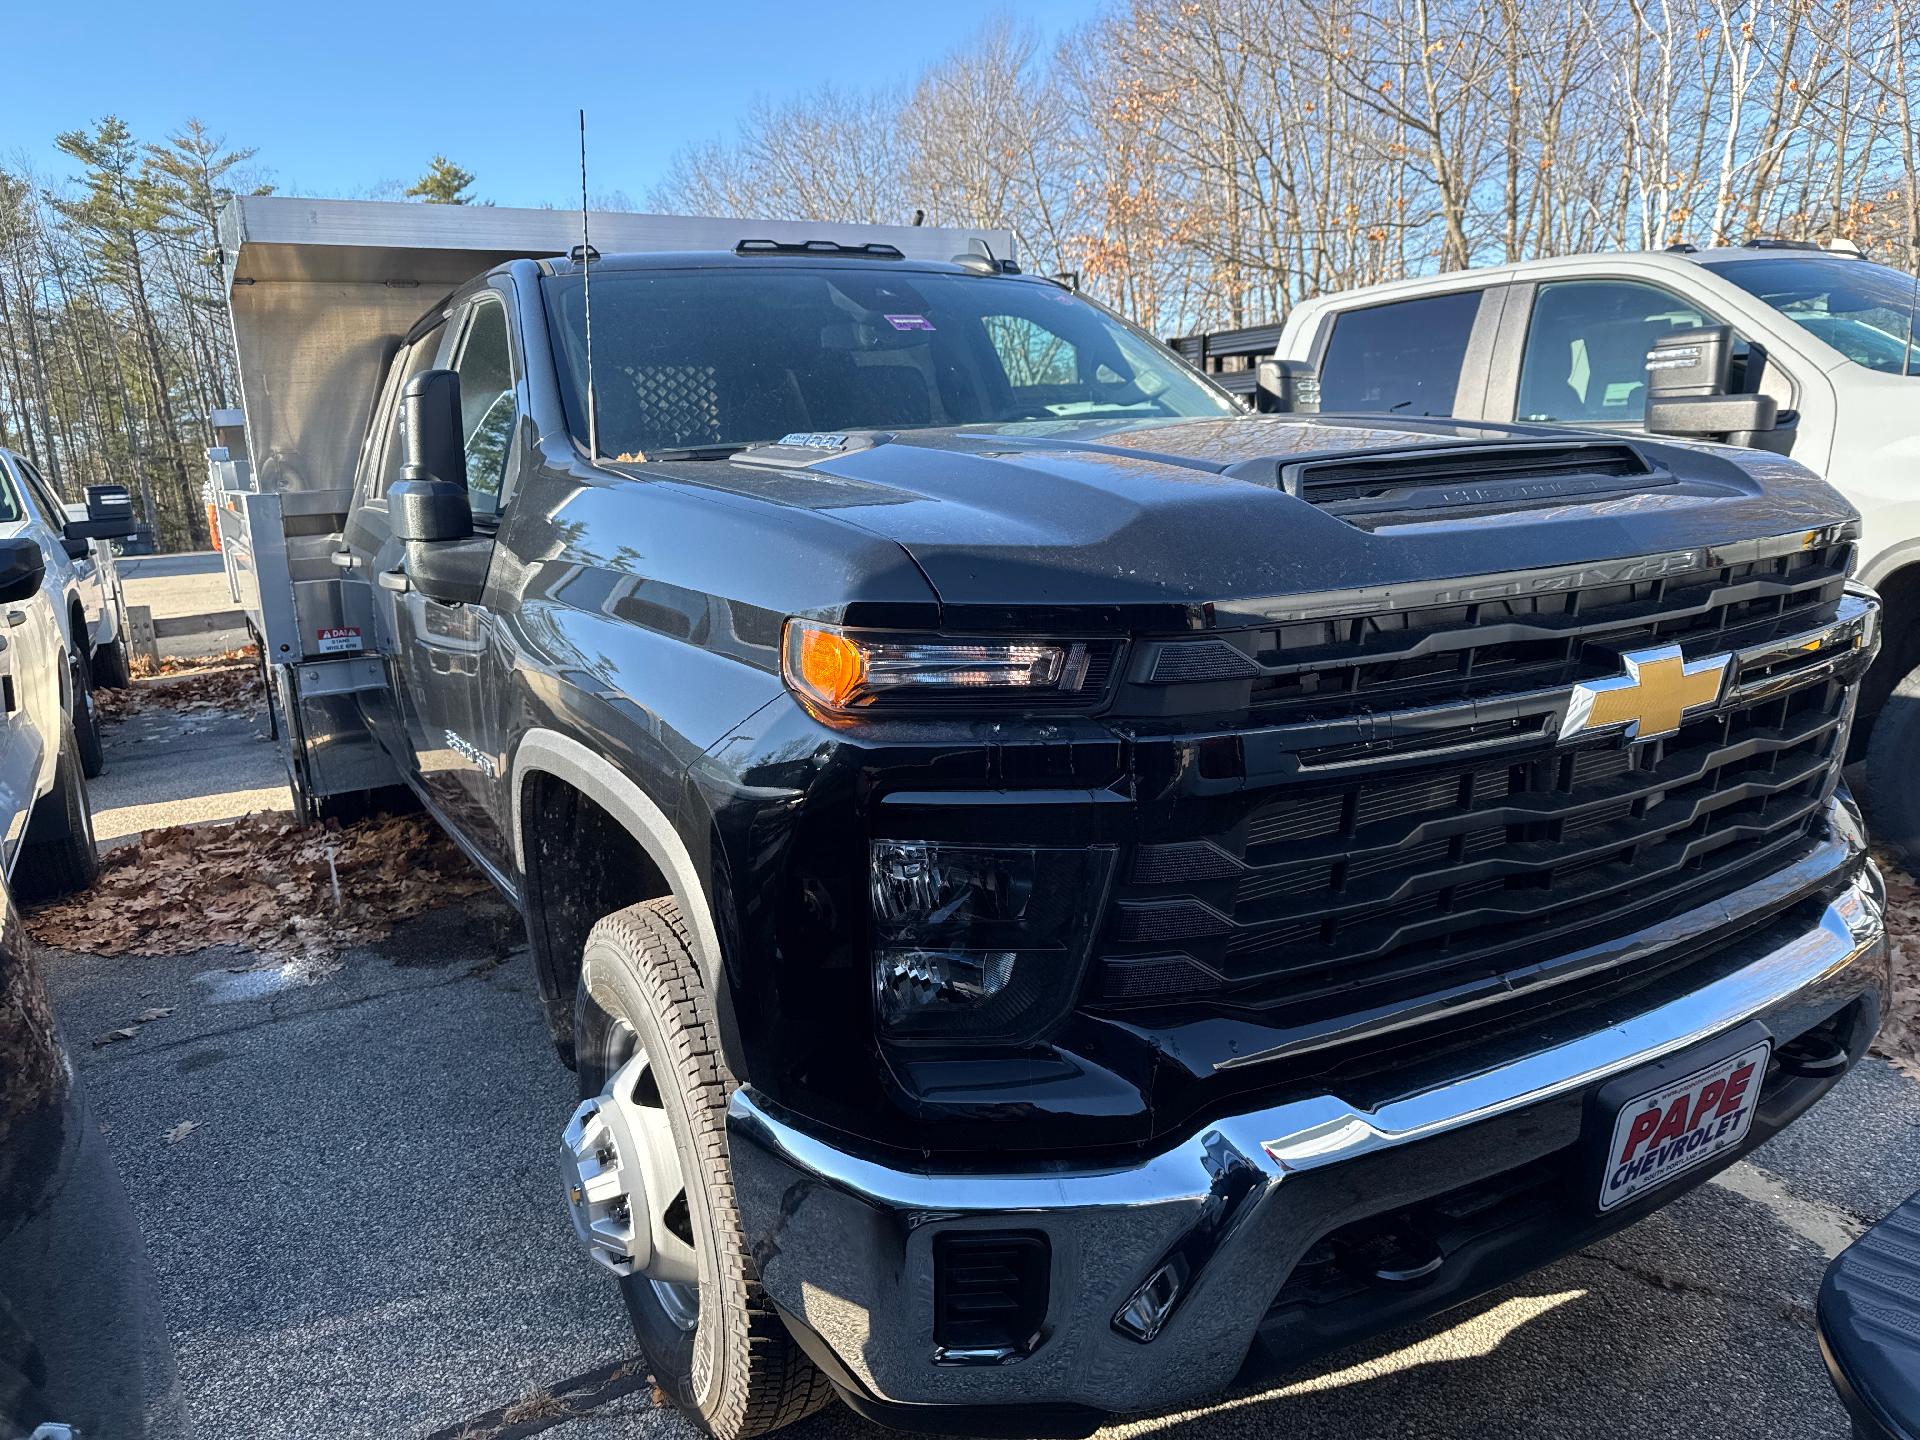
[16,617]
[395,580]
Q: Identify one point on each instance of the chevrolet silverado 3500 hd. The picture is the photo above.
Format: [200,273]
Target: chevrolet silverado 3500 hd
[1054,887]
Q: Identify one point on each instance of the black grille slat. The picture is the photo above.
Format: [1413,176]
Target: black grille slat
[1549,860]
[1455,871]
[1679,767]
[1442,654]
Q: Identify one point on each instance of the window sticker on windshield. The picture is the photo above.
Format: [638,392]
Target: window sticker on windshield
[909,322]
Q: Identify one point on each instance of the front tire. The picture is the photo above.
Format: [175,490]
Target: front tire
[1892,790]
[720,1354]
[57,854]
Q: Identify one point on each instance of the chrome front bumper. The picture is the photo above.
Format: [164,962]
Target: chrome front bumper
[1163,1270]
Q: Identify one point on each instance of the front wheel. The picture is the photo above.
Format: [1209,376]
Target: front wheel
[57,854]
[650,1188]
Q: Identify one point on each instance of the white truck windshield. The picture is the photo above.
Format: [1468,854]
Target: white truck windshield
[1863,310]
[723,357]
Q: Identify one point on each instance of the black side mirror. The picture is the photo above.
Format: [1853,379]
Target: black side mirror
[429,507]
[1286,387]
[1691,363]
[22,568]
[1689,373]
[430,502]
[109,517]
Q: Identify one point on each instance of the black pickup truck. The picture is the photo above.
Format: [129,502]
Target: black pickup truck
[1056,888]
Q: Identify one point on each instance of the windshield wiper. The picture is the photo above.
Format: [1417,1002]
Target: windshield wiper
[695,452]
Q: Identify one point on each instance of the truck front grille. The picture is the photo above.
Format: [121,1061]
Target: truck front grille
[1373,879]
[1352,892]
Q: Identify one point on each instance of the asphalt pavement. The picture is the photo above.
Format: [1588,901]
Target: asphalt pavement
[169,767]
[361,1234]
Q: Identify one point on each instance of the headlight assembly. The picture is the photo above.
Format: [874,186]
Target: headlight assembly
[844,672]
[980,943]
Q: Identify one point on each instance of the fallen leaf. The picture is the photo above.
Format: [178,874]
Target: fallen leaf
[181,1131]
[158,1012]
[264,882]
[125,1032]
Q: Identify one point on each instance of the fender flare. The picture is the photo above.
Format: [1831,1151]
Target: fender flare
[548,752]
[1898,556]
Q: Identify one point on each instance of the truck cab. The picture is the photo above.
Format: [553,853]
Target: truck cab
[1825,335]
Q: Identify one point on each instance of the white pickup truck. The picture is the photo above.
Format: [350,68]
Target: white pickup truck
[1822,363]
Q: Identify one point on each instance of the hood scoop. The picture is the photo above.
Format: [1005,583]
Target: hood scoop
[1462,478]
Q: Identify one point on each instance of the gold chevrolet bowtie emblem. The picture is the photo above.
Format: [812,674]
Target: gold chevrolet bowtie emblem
[1651,699]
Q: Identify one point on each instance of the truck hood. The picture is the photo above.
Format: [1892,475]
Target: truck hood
[1191,514]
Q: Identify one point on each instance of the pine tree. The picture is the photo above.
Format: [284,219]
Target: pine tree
[445,183]
[120,213]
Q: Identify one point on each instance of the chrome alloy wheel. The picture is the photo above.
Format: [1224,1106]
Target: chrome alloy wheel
[625,1189]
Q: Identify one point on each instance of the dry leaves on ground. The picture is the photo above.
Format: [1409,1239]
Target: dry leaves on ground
[229,681]
[1900,1036]
[180,1132]
[188,664]
[266,882]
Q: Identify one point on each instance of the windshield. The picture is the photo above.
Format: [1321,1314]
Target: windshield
[687,360]
[1864,311]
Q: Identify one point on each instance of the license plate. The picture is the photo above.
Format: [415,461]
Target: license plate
[1666,1132]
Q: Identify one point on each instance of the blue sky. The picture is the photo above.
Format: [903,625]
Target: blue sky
[340,95]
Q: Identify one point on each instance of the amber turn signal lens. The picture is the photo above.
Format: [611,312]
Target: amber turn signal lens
[830,666]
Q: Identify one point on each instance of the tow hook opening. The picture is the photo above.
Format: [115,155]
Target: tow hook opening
[1817,1055]
[1393,1252]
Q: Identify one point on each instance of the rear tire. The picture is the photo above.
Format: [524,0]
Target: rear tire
[57,854]
[731,1368]
[110,668]
[86,723]
[1891,794]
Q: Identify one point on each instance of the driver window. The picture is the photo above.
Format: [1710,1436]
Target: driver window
[41,496]
[1587,344]
[486,402]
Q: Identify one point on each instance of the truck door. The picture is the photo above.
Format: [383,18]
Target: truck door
[370,546]
[1574,352]
[446,654]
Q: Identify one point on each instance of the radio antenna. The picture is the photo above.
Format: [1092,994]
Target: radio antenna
[586,290]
